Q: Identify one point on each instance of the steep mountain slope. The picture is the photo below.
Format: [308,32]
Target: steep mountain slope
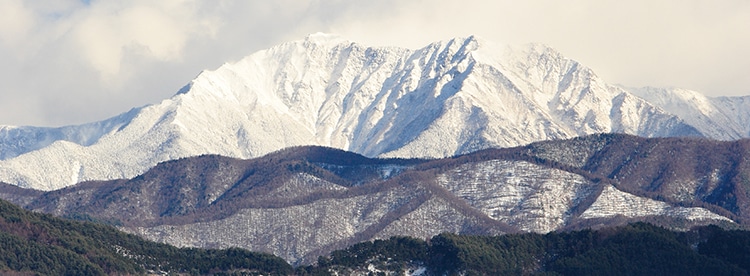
[303,202]
[448,98]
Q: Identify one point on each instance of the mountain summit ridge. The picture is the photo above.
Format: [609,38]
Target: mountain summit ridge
[447,98]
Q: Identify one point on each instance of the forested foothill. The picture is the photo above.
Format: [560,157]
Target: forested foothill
[194,192]
[41,244]
[635,249]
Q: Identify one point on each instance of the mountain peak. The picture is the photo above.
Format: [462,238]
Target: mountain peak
[321,38]
[466,39]
[467,43]
[450,97]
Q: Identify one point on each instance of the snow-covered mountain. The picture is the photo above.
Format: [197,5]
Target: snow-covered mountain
[724,118]
[448,98]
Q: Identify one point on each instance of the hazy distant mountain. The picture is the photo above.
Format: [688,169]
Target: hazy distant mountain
[724,118]
[448,98]
[302,202]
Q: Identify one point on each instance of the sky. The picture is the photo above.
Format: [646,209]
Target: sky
[68,62]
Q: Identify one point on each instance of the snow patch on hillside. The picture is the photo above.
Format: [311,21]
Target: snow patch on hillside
[613,202]
[528,196]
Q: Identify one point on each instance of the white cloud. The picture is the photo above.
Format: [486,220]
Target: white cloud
[14,20]
[106,32]
[68,61]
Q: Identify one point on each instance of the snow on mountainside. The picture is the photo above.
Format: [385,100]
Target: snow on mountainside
[723,118]
[448,98]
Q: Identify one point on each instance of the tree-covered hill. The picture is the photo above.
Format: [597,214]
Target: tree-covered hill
[40,244]
[44,245]
[303,202]
[635,249]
